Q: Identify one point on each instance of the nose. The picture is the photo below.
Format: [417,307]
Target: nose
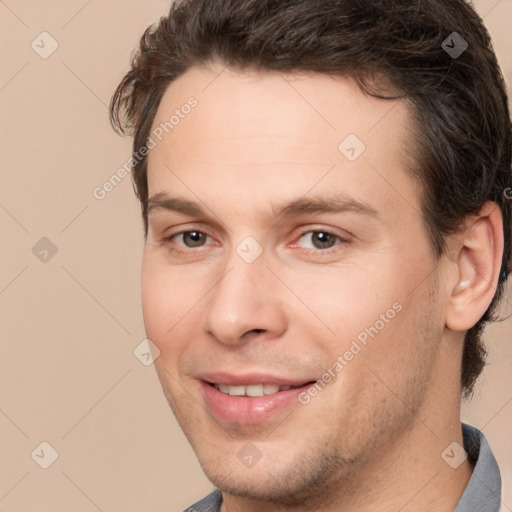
[244,303]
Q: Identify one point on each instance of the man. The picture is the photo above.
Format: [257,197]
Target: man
[327,232]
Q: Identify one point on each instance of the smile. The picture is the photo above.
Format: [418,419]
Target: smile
[252,390]
[250,402]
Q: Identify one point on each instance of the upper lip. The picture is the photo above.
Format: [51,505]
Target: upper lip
[247,379]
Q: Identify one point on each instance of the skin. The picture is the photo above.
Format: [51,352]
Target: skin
[372,438]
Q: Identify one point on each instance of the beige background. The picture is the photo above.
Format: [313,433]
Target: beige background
[68,375]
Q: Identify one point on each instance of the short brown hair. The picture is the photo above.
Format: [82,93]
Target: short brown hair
[459,102]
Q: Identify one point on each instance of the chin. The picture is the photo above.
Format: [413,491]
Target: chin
[303,478]
[260,488]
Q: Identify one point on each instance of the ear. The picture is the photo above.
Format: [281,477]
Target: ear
[478,263]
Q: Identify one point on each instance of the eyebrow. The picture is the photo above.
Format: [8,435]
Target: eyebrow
[327,203]
[162,201]
[339,203]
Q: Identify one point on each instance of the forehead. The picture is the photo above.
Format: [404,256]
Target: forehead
[268,132]
[309,105]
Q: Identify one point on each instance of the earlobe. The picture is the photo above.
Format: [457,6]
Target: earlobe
[478,266]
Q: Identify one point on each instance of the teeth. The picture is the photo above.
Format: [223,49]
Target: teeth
[270,389]
[236,390]
[254,390]
[251,390]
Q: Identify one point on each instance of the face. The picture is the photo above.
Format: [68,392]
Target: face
[287,278]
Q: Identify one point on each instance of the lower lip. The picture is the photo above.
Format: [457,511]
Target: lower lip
[249,409]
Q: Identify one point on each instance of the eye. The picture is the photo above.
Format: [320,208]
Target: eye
[190,238]
[320,240]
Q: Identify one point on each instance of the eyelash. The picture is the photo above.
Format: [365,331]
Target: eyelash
[328,250]
[340,240]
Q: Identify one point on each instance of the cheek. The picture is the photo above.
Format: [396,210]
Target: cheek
[399,354]
[155,299]
[377,321]
[349,300]
[165,300]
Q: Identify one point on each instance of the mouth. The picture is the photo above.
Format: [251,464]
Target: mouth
[255,390]
[250,400]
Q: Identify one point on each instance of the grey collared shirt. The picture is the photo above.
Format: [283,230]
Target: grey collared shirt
[482,494]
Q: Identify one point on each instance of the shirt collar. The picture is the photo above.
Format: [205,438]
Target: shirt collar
[483,491]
